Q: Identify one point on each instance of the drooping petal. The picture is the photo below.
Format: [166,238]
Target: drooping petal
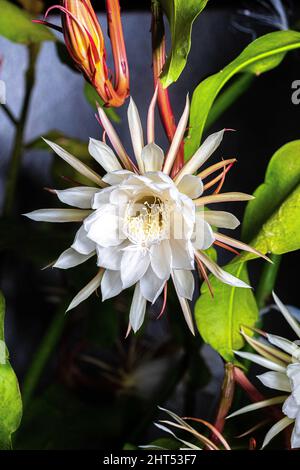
[137,309]
[79,166]
[224,276]
[258,405]
[151,285]
[161,259]
[276,429]
[190,185]
[80,196]
[87,290]
[71,258]
[291,348]
[204,236]
[104,155]
[275,380]
[134,264]
[136,132]
[261,361]
[58,215]
[178,136]
[221,219]
[289,318]
[203,153]
[111,284]
[184,283]
[152,157]
[185,310]
[82,243]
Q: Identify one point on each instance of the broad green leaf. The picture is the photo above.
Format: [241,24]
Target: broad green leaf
[263,54]
[181,16]
[16,25]
[10,402]
[219,319]
[92,97]
[282,178]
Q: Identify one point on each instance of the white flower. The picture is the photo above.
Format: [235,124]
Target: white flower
[144,227]
[283,360]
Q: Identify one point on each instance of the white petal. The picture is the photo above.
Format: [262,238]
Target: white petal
[293,372]
[70,258]
[191,185]
[276,429]
[104,155]
[81,196]
[224,276]
[151,117]
[276,380]
[290,407]
[137,309]
[151,285]
[222,197]
[177,139]
[221,219]
[136,132]
[291,348]
[75,163]
[102,197]
[204,236]
[111,284]
[261,361]
[161,259]
[134,264]
[103,227]
[203,153]
[257,406]
[114,138]
[289,318]
[185,310]
[182,257]
[237,244]
[116,177]
[295,439]
[153,157]
[110,257]
[82,243]
[87,290]
[184,283]
[58,215]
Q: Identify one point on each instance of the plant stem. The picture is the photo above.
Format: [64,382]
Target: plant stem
[42,355]
[267,280]
[226,399]
[159,58]
[16,155]
[9,114]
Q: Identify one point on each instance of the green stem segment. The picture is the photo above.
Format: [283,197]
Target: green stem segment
[9,114]
[267,280]
[42,355]
[16,155]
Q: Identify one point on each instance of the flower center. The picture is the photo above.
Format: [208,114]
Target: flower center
[147,220]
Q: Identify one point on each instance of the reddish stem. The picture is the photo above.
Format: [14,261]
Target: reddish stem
[226,398]
[163,99]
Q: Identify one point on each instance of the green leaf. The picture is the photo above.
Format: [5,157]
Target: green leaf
[181,16]
[10,403]
[16,25]
[282,178]
[92,97]
[263,54]
[219,319]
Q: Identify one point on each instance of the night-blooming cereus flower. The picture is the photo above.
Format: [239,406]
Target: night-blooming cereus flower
[144,227]
[283,360]
[85,43]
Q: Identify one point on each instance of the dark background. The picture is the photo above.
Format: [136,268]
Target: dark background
[264,118]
